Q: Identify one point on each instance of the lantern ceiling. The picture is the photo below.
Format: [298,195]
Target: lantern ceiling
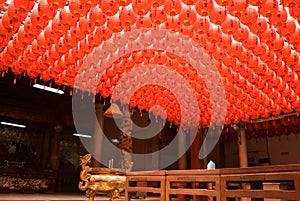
[254,46]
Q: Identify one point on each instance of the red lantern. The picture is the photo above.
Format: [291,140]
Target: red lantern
[241,34]
[204,7]
[172,24]
[58,27]
[67,18]
[103,33]
[201,25]
[268,57]
[250,16]
[109,7]
[277,44]
[251,42]
[288,27]
[189,2]
[256,2]
[114,24]
[124,2]
[172,7]
[69,40]
[269,8]
[37,21]
[268,36]
[230,25]
[76,33]
[24,37]
[224,41]
[143,22]
[86,26]
[23,5]
[127,16]
[97,17]
[279,18]
[218,15]
[158,16]
[284,52]
[293,59]
[8,23]
[187,16]
[50,35]
[213,34]
[237,8]
[45,11]
[259,26]
[141,7]
[260,49]
[56,3]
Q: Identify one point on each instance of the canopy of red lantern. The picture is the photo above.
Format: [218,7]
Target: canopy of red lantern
[254,44]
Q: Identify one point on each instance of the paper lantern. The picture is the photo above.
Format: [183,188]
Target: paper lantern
[141,7]
[217,15]
[230,25]
[58,27]
[56,3]
[103,33]
[269,8]
[259,26]
[204,7]
[187,16]
[8,23]
[76,33]
[96,16]
[234,50]
[23,5]
[277,44]
[224,41]
[278,18]
[250,16]
[45,11]
[67,18]
[213,34]
[237,8]
[288,27]
[172,24]
[86,26]
[143,23]
[127,16]
[158,3]
[172,7]
[38,21]
[201,25]
[268,36]
[284,52]
[251,42]
[158,16]
[241,34]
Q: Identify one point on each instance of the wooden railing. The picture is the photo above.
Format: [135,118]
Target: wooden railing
[268,183]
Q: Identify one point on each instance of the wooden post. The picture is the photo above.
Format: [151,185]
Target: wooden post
[196,163]
[97,138]
[243,154]
[242,144]
[54,159]
[182,163]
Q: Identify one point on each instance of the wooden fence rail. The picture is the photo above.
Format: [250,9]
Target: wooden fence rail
[272,183]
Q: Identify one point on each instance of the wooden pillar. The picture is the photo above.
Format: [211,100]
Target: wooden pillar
[54,158]
[182,162]
[242,144]
[196,163]
[243,155]
[97,138]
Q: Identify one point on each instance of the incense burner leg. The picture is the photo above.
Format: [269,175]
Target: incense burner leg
[90,194]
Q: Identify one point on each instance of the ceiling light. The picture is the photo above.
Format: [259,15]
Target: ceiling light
[12,124]
[39,86]
[82,135]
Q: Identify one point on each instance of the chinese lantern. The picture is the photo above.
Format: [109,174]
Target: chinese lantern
[172,24]
[187,16]
[250,16]
[268,36]
[141,7]
[241,33]
[127,16]
[218,15]
[269,8]
[86,26]
[67,18]
[278,18]
[277,44]
[234,50]
[230,25]
[213,34]
[288,28]
[284,52]
[224,41]
[204,7]
[56,3]
[23,5]
[143,22]
[251,42]
[259,26]
[77,9]
[237,8]
[24,37]
[8,23]
[77,33]
[201,25]
[172,7]
[58,27]
[189,2]
[45,11]
[38,21]
[158,16]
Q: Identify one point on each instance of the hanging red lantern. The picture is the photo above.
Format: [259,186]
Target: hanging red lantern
[251,42]
[158,16]
[204,7]
[277,44]
[259,26]
[230,25]
[8,23]
[279,17]
[141,7]
[199,39]
[224,41]
[103,33]
[93,40]
[241,34]
[293,59]
[268,36]
[14,13]
[288,28]
[295,37]
[77,9]
[269,8]
[50,35]
[96,16]
[45,11]
[24,37]
[250,16]
[69,40]
[189,2]
[67,18]
[127,16]
[143,23]
[237,8]
[172,7]
[213,34]
[124,2]
[218,15]
[268,56]
[37,21]
[201,25]
[76,33]
[234,50]
[257,2]
[58,27]
[187,16]
[86,26]
[172,24]
[260,50]
[284,52]
[158,3]
[56,3]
